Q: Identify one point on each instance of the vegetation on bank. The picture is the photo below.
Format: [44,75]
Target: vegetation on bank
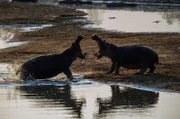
[56,39]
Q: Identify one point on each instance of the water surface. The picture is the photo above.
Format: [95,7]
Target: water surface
[127,20]
[7,33]
[86,101]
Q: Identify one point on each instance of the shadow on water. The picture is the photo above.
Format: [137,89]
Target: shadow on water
[58,94]
[125,98]
[87,101]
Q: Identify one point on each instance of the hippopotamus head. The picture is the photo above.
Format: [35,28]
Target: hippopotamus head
[102,46]
[77,49]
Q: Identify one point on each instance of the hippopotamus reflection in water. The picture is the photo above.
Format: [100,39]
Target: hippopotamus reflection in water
[130,57]
[49,66]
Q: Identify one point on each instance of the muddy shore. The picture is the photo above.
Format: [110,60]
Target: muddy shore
[67,26]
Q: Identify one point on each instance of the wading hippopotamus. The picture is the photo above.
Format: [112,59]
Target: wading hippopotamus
[49,66]
[130,57]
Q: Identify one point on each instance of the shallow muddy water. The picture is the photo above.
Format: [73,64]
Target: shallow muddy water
[86,100]
[127,20]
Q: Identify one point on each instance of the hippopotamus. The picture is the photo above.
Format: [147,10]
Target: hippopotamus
[130,57]
[51,65]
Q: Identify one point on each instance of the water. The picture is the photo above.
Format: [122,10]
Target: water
[7,33]
[146,17]
[86,102]
[87,99]
[124,20]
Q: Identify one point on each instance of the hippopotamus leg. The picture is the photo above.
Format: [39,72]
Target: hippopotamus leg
[26,75]
[117,68]
[152,68]
[144,68]
[68,73]
[142,71]
[112,67]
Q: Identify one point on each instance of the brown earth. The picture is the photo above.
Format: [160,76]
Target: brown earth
[56,39]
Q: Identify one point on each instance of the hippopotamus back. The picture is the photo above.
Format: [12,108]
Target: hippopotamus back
[133,57]
[47,66]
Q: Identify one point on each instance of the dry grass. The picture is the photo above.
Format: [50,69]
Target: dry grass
[56,39]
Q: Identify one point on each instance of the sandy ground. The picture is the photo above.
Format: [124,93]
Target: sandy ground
[56,39]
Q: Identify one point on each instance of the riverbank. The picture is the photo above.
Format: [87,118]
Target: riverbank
[67,25]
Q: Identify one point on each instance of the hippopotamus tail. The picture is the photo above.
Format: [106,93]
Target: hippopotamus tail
[156,59]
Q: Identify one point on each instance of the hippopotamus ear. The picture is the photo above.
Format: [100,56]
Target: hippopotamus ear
[79,38]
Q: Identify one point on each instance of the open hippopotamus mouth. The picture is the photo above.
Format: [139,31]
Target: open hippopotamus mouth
[76,44]
[101,45]
[98,40]
[79,38]
[94,37]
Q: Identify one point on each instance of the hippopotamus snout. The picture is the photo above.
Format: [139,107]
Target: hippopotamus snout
[77,48]
[102,46]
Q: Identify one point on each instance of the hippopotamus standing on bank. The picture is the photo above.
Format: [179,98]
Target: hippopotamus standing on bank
[130,57]
[49,66]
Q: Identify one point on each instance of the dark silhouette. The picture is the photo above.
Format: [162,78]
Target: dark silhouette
[61,94]
[49,66]
[75,2]
[124,98]
[120,4]
[131,57]
[128,97]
